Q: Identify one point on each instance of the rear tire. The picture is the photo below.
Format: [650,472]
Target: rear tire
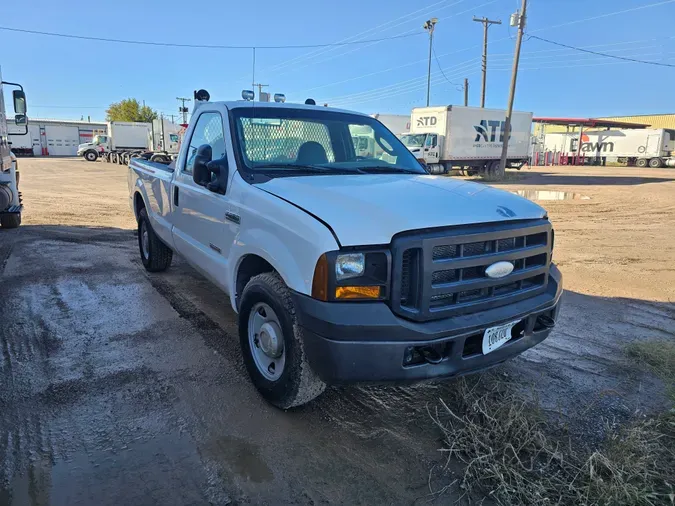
[655,163]
[155,255]
[296,383]
[12,220]
[642,162]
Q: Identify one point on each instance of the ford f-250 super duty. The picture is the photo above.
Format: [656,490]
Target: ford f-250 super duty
[344,268]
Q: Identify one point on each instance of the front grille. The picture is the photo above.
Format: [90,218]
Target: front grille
[438,274]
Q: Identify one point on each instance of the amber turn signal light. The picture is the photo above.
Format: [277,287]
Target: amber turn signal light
[320,281]
[357,292]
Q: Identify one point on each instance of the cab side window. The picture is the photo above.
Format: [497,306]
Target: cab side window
[208,130]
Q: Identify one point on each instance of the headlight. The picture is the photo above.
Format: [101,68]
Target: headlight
[351,265]
[352,276]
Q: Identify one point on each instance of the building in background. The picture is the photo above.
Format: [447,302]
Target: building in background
[54,137]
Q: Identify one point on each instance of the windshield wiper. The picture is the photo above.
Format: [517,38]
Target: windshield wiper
[293,166]
[311,169]
[384,169]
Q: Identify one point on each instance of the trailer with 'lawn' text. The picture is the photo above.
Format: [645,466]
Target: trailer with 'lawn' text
[642,147]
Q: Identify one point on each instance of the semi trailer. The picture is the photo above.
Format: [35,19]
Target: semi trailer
[123,140]
[636,147]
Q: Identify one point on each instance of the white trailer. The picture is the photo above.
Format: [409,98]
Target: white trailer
[398,124]
[637,147]
[469,137]
[24,145]
[127,139]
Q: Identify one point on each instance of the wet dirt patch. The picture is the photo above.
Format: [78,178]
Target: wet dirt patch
[550,195]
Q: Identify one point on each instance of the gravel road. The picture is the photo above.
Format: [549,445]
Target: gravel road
[119,387]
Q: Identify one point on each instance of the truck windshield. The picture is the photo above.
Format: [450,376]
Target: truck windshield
[413,140]
[317,141]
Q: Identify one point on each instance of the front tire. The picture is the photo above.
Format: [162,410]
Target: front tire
[12,220]
[91,156]
[155,255]
[272,344]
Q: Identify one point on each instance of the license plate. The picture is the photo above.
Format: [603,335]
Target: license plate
[496,336]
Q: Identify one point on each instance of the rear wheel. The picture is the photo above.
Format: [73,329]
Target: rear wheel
[10,220]
[155,255]
[655,163]
[642,162]
[272,344]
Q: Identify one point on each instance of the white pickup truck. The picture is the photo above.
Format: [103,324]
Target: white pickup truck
[344,268]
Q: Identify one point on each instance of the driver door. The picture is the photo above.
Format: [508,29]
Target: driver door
[200,233]
[431,149]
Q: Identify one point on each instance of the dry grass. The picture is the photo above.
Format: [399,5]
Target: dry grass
[659,357]
[512,456]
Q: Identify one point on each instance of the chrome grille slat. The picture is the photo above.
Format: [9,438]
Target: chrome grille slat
[449,277]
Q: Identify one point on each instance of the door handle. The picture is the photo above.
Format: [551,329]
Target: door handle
[175,196]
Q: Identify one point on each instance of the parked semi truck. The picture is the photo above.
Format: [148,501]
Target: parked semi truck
[636,147]
[345,268]
[10,198]
[468,137]
[124,140]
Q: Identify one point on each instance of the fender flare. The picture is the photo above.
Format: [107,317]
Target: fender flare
[271,249]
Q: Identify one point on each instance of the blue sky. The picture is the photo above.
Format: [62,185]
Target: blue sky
[67,78]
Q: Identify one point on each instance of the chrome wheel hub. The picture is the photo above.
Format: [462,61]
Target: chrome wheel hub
[145,240]
[266,341]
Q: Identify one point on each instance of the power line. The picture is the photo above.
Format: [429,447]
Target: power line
[443,73]
[606,15]
[362,76]
[202,46]
[606,55]
[377,29]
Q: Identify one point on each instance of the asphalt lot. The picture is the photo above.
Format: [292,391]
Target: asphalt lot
[120,387]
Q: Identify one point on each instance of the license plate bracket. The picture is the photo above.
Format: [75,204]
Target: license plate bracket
[495,337]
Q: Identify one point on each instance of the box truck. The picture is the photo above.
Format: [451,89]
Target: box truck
[124,140]
[637,147]
[467,137]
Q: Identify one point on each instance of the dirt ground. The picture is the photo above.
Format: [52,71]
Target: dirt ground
[119,387]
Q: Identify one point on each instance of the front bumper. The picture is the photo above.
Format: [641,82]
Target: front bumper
[366,342]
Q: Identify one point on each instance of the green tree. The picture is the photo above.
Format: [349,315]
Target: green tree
[130,110]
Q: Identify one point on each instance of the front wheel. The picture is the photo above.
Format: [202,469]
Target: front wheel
[91,156]
[10,220]
[272,344]
[155,255]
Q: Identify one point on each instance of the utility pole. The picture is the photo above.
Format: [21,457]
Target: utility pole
[429,27]
[486,24]
[260,87]
[517,19]
[182,109]
[466,92]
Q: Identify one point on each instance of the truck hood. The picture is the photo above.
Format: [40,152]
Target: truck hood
[371,209]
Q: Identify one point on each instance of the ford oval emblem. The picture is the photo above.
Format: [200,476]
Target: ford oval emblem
[499,270]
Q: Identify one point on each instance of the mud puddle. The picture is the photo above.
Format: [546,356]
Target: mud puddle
[550,195]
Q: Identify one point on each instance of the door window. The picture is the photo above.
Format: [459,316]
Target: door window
[208,130]
[431,141]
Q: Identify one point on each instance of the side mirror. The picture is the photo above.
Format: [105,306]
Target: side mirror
[219,168]
[21,119]
[19,102]
[200,174]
